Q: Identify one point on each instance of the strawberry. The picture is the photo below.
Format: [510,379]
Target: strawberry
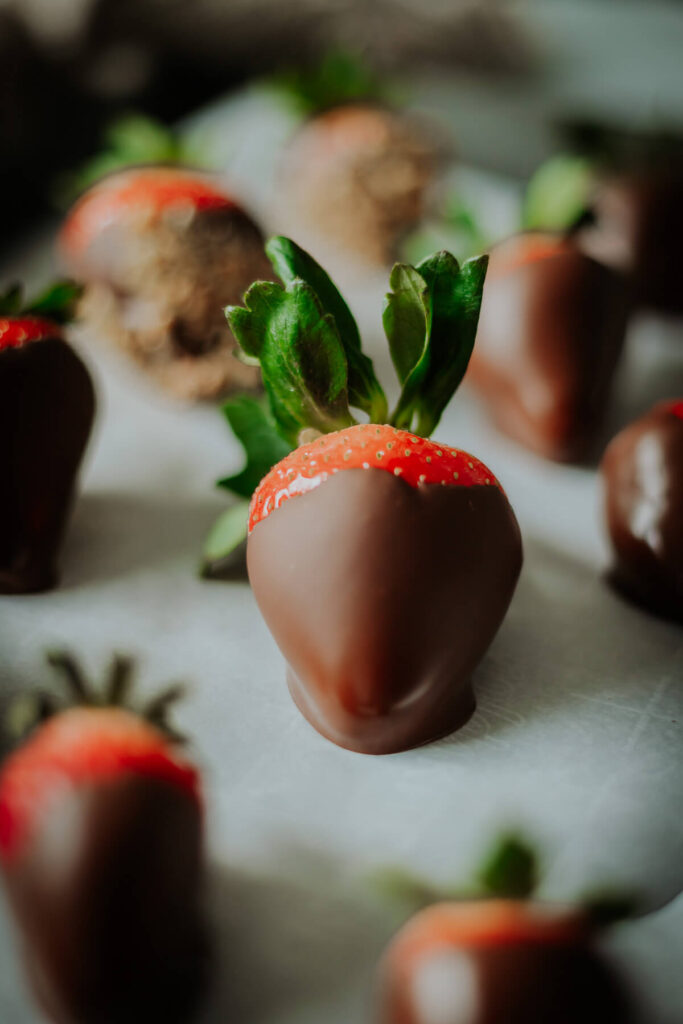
[549,338]
[355,177]
[161,250]
[154,191]
[642,472]
[386,578]
[47,406]
[100,849]
[497,954]
[497,960]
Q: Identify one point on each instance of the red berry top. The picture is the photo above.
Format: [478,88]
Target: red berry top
[414,459]
[676,408]
[482,923]
[528,247]
[18,331]
[77,747]
[153,189]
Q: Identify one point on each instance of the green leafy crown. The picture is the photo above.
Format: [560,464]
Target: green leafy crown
[129,140]
[57,302]
[314,369]
[340,76]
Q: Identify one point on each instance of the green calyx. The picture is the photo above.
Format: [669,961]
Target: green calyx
[510,870]
[339,77]
[29,710]
[128,141]
[559,193]
[315,373]
[58,302]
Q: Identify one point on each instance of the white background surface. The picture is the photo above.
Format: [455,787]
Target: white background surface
[576,738]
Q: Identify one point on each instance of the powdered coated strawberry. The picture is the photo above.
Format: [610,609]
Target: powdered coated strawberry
[47,406]
[161,250]
[383,562]
[100,849]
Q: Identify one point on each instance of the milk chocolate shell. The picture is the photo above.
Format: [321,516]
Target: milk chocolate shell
[358,174]
[161,252]
[642,472]
[111,930]
[635,226]
[489,963]
[47,405]
[550,333]
[383,598]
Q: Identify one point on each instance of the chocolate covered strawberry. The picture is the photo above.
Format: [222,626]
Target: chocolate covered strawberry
[161,250]
[549,338]
[625,209]
[47,406]
[491,959]
[383,562]
[100,850]
[642,472]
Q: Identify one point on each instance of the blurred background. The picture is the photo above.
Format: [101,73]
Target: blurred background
[524,77]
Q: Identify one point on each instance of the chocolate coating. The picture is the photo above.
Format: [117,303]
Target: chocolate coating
[47,406]
[636,226]
[520,983]
[550,333]
[642,473]
[383,598]
[106,896]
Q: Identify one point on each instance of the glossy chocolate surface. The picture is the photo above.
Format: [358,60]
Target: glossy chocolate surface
[383,599]
[636,227]
[515,983]
[106,897]
[47,406]
[643,479]
[550,333]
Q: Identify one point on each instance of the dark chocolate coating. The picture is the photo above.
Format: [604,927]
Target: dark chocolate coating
[47,406]
[642,473]
[383,598]
[636,226]
[550,333]
[106,896]
[513,983]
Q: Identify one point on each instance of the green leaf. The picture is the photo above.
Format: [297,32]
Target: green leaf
[129,140]
[301,355]
[225,540]
[455,298]
[11,300]
[291,262]
[339,77]
[406,318]
[58,302]
[140,139]
[559,193]
[510,870]
[263,446]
